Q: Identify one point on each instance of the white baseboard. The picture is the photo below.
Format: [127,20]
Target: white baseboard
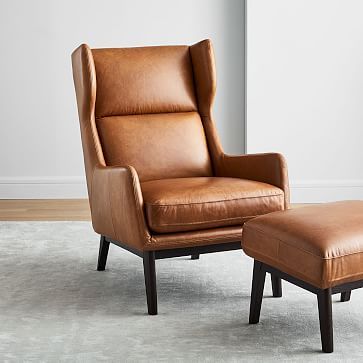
[320,191]
[43,188]
[314,191]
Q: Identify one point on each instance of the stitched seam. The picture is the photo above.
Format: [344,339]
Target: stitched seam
[347,276]
[209,58]
[195,89]
[90,194]
[307,278]
[139,211]
[217,201]
[110,204]
[299,248]
[285,243]
[251,251]
[98,117]
[206,222]
[236,235]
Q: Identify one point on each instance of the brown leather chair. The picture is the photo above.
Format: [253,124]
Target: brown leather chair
[159,183]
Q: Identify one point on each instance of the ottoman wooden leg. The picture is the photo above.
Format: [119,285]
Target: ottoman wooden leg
[345,296]
[258,283]
[276,286]
[325,319]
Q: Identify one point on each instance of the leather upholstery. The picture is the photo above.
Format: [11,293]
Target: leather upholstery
[124,140]
[117,205]
[320,244]
[147,116]
[187,204]
[84,76]
[268,168]
[194,238]
[147,80]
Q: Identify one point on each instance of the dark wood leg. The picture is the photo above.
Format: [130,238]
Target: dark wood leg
[102,254]
[276,286]
[345,296]
[258,283]
[325,319]
[150,282]
[195,257]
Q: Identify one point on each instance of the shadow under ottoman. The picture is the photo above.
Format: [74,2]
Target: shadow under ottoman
[319,248]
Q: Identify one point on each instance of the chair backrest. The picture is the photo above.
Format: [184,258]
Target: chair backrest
[147,114]
[147,107]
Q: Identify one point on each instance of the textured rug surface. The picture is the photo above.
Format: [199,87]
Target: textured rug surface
[55,306]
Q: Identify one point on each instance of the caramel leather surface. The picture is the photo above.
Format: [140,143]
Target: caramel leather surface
[205,85]
[175,143]
[144,80]
[320,244]
[195,238]
[84,76]
[268,168]
[104,184]
[131,103]
[117,205]
[187,204]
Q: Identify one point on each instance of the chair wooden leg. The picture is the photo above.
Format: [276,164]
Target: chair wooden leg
[276,286]
[345,296]
[195,257]
[150,282]
[326,320]
[102,254]
[258,283]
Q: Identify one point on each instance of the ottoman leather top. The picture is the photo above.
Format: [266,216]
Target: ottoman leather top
[320,244]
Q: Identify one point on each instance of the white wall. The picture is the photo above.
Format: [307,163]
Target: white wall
[40,145]
[305,92]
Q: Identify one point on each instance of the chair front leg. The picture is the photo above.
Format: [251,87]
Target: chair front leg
[150,282]
[102,254]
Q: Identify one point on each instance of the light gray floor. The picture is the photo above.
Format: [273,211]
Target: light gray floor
[55,306]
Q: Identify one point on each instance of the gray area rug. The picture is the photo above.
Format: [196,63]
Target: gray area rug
[55,306]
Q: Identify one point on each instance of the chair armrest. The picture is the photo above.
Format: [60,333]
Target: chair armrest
[117,205]
[270,168]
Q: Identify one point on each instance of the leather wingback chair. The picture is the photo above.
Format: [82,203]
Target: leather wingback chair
[159,183]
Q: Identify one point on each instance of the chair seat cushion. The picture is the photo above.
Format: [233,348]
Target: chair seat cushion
[187,204]
[320,244]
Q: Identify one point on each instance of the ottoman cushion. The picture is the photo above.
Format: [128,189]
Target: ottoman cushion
[320,244]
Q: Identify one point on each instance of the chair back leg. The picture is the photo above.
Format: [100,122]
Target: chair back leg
[345,296]
[276,286]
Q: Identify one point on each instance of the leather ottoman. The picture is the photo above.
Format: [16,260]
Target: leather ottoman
[319,248]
